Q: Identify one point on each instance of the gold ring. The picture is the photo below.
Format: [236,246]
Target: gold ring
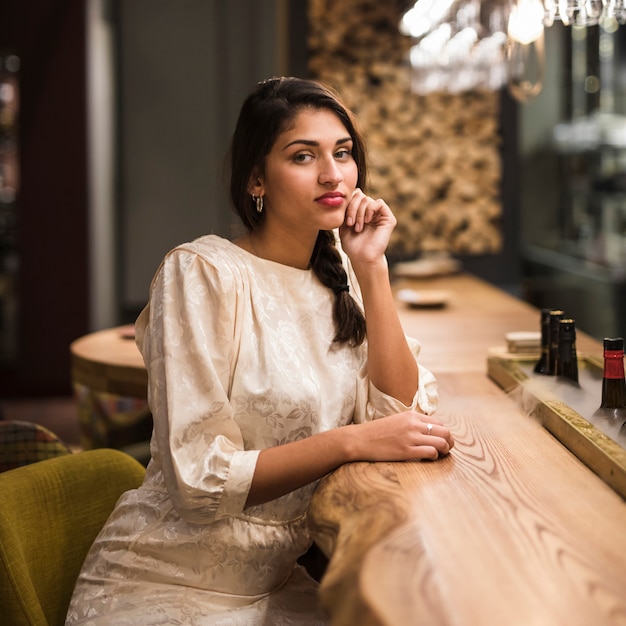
[429,428]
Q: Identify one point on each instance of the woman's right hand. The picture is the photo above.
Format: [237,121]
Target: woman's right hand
[401,437]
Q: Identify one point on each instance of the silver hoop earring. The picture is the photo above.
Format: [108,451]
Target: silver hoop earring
[259,203]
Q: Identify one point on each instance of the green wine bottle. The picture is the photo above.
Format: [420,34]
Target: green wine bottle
[555,316]
[566,358]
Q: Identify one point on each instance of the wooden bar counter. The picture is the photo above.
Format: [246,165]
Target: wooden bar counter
[510,529]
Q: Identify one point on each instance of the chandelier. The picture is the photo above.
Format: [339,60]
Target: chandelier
[489,44]
[583,12]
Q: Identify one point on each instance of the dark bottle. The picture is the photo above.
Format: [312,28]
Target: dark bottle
[555,316]
[567,359]
[612,412]
[541,367]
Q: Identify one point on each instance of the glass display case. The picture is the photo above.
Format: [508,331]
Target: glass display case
[574,248]
[592,157]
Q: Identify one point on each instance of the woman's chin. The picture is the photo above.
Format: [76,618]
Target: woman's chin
[334,221]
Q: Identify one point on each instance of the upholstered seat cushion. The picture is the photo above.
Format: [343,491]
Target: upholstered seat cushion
[50,515]
[22,443]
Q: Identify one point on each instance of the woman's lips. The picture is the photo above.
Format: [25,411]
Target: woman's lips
[331,199]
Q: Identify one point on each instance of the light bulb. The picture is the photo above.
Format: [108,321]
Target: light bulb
[525,64]
[526,21]
[423,16]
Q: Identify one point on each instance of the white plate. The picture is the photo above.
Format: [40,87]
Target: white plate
[424,298]
[429,266]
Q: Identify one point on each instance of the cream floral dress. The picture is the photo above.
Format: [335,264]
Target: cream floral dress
[240,357]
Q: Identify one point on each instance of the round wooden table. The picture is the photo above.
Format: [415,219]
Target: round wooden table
[109,361]
[111,386]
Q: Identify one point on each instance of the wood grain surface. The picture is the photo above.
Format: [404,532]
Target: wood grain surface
[510,528]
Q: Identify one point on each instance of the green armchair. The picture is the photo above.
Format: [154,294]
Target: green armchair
[50,514]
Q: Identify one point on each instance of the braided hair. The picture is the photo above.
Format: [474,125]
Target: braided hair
[265,114]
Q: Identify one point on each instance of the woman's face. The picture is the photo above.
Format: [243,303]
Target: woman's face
[309,174]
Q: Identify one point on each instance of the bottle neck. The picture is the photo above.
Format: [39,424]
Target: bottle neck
[613,364]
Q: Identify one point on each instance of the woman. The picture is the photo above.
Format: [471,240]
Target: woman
[272,360]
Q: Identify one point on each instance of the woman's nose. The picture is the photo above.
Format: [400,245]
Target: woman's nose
[330,172]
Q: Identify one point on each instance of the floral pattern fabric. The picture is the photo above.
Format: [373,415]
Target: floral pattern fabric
[240,357]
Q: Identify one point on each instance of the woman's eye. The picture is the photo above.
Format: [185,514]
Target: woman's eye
[343,154]
[302,158]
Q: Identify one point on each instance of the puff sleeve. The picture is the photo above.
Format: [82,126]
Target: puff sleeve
[187,336]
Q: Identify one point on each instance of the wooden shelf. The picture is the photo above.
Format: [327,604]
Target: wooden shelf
[596,450]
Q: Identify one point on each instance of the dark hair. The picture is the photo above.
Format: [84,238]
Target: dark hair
[265,114]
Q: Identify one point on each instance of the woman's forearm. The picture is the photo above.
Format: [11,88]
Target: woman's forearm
[400,437]
[282,469]
[390,364]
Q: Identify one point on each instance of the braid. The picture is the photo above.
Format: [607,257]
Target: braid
[327,265]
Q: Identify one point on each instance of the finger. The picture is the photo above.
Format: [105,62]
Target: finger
[437,429]
[432,426]
[450,440]
[361,213]
[429,419]
[375,210]
[369,213]
[353,206]
[426,453]
[362,210]
[437,436]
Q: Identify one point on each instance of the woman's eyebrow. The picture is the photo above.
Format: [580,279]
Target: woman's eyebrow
[315,144]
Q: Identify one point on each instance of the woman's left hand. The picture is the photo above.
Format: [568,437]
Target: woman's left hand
[366,229]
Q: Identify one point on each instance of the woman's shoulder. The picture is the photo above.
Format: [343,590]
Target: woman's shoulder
[209,258]
[210,247]
[210,250]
